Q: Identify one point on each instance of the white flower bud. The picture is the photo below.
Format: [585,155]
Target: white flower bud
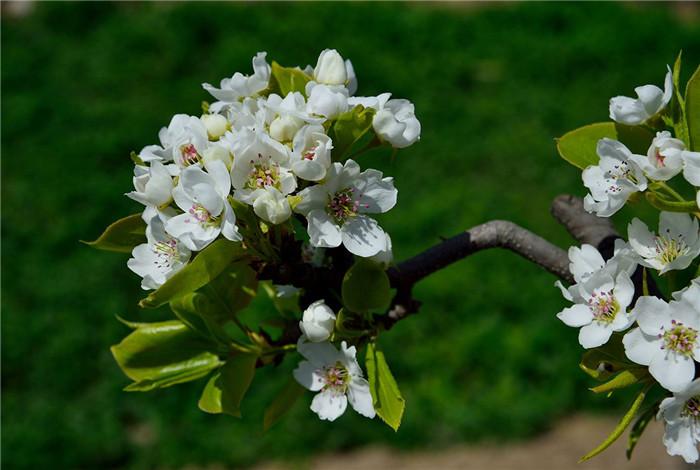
[216,125]
[217,153]
[396,123]
[330,68]
[272,206]
[326,101]
[318,322]
[283,128]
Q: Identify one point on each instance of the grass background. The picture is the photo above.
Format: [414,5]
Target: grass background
[84,84]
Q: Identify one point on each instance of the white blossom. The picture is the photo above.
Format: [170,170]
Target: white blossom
[325,100]
[336,376]
[600,308]
[288,116]
[613,180]
[336,208]
[183,142]
[394,122]
[153,185]
[271,205]
[311,154]
[681,415]
[667,337]
[216,125]
[664,159]
[691,167]
[330,68]
[240,86]
[318,322]
[675,247]
[158,259]
[207,213]
[650,101]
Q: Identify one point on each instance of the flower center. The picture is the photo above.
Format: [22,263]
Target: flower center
[201,215]
[166,253]
[604,306]
[189,155]
[692,408]
[341,206]
[668,249]
[679,338]
[263,174]
[310,154]
[660,159]
[335,377]
[620,171]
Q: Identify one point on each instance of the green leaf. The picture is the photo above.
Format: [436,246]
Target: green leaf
[282,403]
[194,310]
[692,109]
[226,389]
[578,147]
[208,264]
[366,287]
[602,362]
[639,427]
[677,108]
[232,290]
[621,426]
[157,355]
[386,397]
[348,129]
[624,379]
[288,79]
[122,236]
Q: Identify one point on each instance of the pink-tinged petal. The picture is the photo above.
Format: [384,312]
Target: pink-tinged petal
[640,348]
[576,315]
[594,335]
[329,405]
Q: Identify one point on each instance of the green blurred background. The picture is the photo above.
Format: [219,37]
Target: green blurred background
[486,359]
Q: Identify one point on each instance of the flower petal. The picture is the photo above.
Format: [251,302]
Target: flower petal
[576,315]
[363,236]
[360,397]
[594,335]
[329,404]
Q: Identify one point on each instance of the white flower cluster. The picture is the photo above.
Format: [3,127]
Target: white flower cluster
[274,153]
[662,336]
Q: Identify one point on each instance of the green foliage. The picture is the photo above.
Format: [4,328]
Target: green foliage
[638,428]
[288,79]
[158,355]
[624,379]
[227,387]
[282,403]
[621,426]
[386,396]
[692,109]
[207,265]
[231,291]
[366,287]
[602,362]
[122,236]
[349,129]
[578,147]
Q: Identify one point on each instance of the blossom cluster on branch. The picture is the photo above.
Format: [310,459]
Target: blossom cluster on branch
[648,153]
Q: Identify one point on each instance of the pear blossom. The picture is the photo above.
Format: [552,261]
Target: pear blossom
[394,122]
[664,159]
[651,100]
[336,376]
[691,167]
[216,125]
[336,208]
[600,308]
[667,337]
[289,116]
[207,213]
[330,68]
[153,185]
[681,415]
[218,151]
[271,205]
[325,100]
[386,256]
[158,259]
[317,322]
[260,162]
[183,141]
[675,247]
[613,180]
[311,154]
[241,86]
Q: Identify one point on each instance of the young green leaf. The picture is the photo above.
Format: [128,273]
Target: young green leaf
[578,147]
[602,362]
[226,389]
[282,403]
[692,109]
[624,379]
[206,266]
[157,355]
[621,426]
[288,79]
[122,236]
[349,128]
[638,428]
[232,290]
[386,397]
[366,287]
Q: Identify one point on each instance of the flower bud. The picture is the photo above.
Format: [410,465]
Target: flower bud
[283,128]
[330,68]
[397,124]
[318,322]
[272,206]
[216,125]
[217,153]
